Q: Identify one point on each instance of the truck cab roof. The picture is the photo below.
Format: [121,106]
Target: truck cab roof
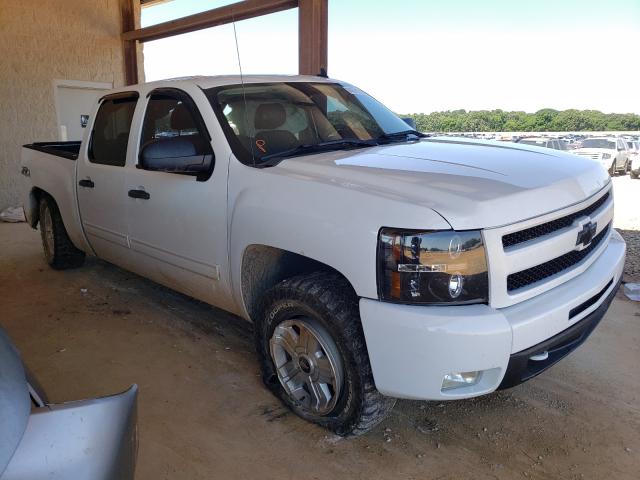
[212,81]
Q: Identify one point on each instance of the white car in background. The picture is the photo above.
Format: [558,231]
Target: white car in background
[545,142]
[634,158]
[611,152]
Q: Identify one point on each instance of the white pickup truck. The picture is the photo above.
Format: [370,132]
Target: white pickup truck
[374,262]
[611,152]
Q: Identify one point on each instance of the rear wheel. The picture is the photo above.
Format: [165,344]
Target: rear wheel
[634,175]
[314,357]
[59,252]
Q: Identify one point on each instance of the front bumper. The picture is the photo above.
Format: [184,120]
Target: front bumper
[521,367]
[412,348]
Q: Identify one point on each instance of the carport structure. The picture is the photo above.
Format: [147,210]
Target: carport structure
[60,56]
[312,24]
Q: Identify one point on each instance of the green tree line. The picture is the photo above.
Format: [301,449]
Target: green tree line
[545,120]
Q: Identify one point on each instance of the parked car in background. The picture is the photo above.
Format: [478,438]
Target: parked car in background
[374,262]
[92,439]
[570,143]
[611,152]
[634,158]
[546,142]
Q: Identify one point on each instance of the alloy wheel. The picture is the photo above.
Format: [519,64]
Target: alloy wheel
[308,365]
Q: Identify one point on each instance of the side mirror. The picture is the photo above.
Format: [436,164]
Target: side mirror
[188,155]
[411,122]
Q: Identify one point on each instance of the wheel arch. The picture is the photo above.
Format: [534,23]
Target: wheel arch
[32,209]
[264,266]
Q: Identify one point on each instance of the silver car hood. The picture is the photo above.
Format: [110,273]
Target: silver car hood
[471,183]
[14,400]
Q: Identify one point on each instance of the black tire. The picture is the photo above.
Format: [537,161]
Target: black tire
[329,300]
[59,252]
[634,175]
[612,170]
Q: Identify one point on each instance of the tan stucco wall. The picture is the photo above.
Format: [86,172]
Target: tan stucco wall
[42,40]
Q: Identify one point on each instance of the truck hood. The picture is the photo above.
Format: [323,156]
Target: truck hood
[470,183]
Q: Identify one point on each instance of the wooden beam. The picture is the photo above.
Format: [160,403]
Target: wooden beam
[129,49]
[211,18]
[149,3]
[312,36]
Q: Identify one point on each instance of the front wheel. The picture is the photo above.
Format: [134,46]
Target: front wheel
[313,354]
[612,169]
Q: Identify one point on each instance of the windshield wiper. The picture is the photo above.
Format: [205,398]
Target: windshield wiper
[405,135]
[273,158]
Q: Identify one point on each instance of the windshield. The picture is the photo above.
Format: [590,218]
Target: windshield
[262,120]
[598,143]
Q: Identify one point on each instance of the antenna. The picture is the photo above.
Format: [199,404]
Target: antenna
[244,95]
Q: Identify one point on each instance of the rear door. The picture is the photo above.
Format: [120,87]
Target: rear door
[102,196]
[177,222]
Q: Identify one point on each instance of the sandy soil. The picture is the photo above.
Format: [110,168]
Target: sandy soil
[204,414]
[627,222]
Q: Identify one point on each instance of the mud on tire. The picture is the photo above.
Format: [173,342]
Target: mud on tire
[329,301]
[59,252]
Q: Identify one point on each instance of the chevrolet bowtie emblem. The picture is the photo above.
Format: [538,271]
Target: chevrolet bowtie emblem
[585,236]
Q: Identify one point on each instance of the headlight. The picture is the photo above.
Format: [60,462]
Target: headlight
[442,267]
[605,156]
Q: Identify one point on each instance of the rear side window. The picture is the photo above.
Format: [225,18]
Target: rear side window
[111,131]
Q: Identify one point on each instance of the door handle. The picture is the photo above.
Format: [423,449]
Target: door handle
[139,194]
[86,183]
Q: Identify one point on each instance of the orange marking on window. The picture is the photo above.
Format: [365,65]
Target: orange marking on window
[260,145]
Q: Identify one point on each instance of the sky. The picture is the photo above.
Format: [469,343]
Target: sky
[434,55]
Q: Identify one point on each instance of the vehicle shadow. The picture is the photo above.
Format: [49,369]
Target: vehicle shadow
[189,315]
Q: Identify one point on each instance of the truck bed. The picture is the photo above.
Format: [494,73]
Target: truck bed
[69,150]
[50,167]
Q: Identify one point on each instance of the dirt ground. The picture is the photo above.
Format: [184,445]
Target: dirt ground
[203,413]
[627,222]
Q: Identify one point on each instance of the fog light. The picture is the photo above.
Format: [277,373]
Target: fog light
[460,379]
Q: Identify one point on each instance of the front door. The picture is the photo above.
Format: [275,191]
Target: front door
[177,222]
[102,196]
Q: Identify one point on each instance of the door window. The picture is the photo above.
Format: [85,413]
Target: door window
[169,116]
[111,131]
